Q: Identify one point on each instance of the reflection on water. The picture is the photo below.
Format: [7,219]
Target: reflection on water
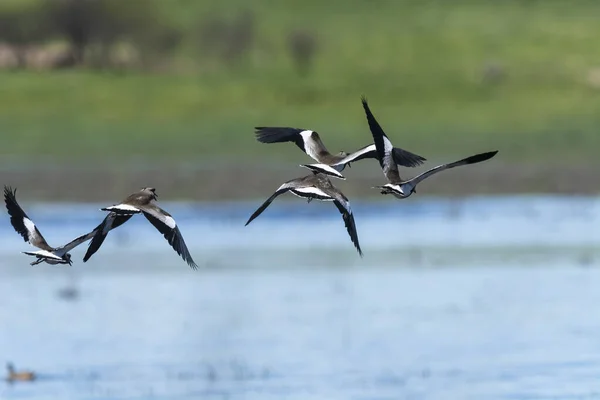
[136,322]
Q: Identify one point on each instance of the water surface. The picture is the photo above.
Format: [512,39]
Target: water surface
[486,298]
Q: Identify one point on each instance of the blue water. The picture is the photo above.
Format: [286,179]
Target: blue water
[484,298]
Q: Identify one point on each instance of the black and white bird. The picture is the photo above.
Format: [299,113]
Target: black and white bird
[141,202]
[396,186]
[30,233]
[317,186]
[330,164]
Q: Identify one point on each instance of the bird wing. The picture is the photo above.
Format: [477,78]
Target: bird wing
[400,156]
[382,145]
[21,222]
[308,141]
[366,152]
[281,190]
[406,158]
[62,250]
[122,209]
[324,169]
[165,224]
[266,134]
[110,222]
[343,205]
[477,158]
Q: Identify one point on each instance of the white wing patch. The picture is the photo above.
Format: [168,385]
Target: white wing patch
[397,188]
[43,253]
[283,186]
[310,147]
[30,226]
[387,145]
[356,154]
[325,169]
[312,190]
[306,135]
[170,222]
[123,207]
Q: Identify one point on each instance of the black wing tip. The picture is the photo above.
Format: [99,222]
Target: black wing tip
[261,130]
[10,193]
[357,245]
[365,104]
[88,254]
[252,217]
[481,157]
[356,242]
[350,227]
[275,134]
[265,204]
[10,200]
[183,251]
[406,158]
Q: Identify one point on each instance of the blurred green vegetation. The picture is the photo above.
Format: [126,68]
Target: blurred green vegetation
[443,78]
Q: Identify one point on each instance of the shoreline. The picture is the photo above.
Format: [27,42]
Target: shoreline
[252,180]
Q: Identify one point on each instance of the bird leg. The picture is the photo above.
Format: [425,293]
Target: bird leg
[309,199]
[36,262]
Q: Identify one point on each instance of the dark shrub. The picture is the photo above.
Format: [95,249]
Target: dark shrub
[302,46]
[229,41]
[94,27]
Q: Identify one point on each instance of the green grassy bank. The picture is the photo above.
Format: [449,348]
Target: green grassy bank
[443,77]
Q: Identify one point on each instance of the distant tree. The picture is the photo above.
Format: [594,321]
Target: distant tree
[302,46]
[228,40]
[21,28]
[93,27]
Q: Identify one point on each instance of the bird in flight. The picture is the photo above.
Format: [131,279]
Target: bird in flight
[316,186]
[30,233]
[141,202]
[330,164]
[396,186]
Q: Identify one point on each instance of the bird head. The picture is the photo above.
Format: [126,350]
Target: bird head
[344,154]
[151,192]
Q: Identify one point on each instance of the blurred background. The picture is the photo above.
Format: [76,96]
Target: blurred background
[476,287]
[171,91]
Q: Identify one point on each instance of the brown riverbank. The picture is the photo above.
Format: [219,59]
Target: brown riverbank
[229,181]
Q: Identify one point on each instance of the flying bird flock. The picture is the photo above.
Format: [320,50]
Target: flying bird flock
[315,186]
[318,186]
[141,202]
